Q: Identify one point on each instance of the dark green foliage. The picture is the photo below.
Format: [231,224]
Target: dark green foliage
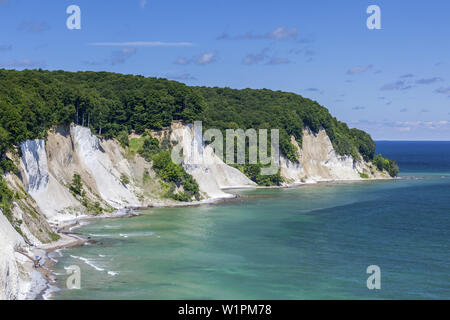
[6,197]
[180,196]
[189,184]
[364,144]
[385,164]
[113,104]
[76,187]
[173,173]
[364,176]
[32,101]
[124,179]
[287,148]
[288,112]
[253,171]
[122,137]
[170,172]
[149,148]
[54,236]
[96,208]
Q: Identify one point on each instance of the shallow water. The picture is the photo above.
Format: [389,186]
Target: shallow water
[311,242]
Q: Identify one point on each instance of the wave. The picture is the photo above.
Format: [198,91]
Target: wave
[47,295]
[89,263]
[110,227]
[137,234]
[123,235]
[106,235]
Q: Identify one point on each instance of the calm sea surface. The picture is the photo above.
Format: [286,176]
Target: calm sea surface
[311,242]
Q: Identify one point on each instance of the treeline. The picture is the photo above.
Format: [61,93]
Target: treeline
[289,112]
[32,101]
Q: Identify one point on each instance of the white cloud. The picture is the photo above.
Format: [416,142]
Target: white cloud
[359,69]
[280,33]
[398,85]
[182,61]
[119,57]
[181,77]
[142,44]
[276,61]
[312,89]
[206,58]
[254,58]
[142,3]
[5,47]
[429,80]
[34,27]
[443,90]
[25,63]
[203,59]
[405,130]
[423,124]
[283,33]
[263,56]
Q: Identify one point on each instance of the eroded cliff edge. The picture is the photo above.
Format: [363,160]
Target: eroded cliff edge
[113,179]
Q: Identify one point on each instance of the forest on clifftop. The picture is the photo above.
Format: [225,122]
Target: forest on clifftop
[111,104]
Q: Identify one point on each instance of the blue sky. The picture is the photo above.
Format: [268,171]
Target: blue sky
[393,83]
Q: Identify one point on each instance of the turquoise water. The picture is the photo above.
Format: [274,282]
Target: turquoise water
[310,242]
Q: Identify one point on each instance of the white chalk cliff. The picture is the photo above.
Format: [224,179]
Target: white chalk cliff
[318,161]
[113,179]
[210,172]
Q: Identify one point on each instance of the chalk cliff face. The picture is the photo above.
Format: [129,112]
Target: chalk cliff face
[211,173]
[24,228]
[104,169]
[319,162]
[48,168]
[10,240]
[113,179]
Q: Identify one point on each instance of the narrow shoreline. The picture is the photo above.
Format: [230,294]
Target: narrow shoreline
[69,239]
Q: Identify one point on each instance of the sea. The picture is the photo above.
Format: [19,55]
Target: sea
[319,241]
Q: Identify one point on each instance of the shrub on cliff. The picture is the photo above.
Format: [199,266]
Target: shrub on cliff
[385,164]
[6,197]
[170,172]
[76,187]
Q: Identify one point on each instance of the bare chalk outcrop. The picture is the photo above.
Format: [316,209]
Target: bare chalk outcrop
[210,172]
[318,161]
